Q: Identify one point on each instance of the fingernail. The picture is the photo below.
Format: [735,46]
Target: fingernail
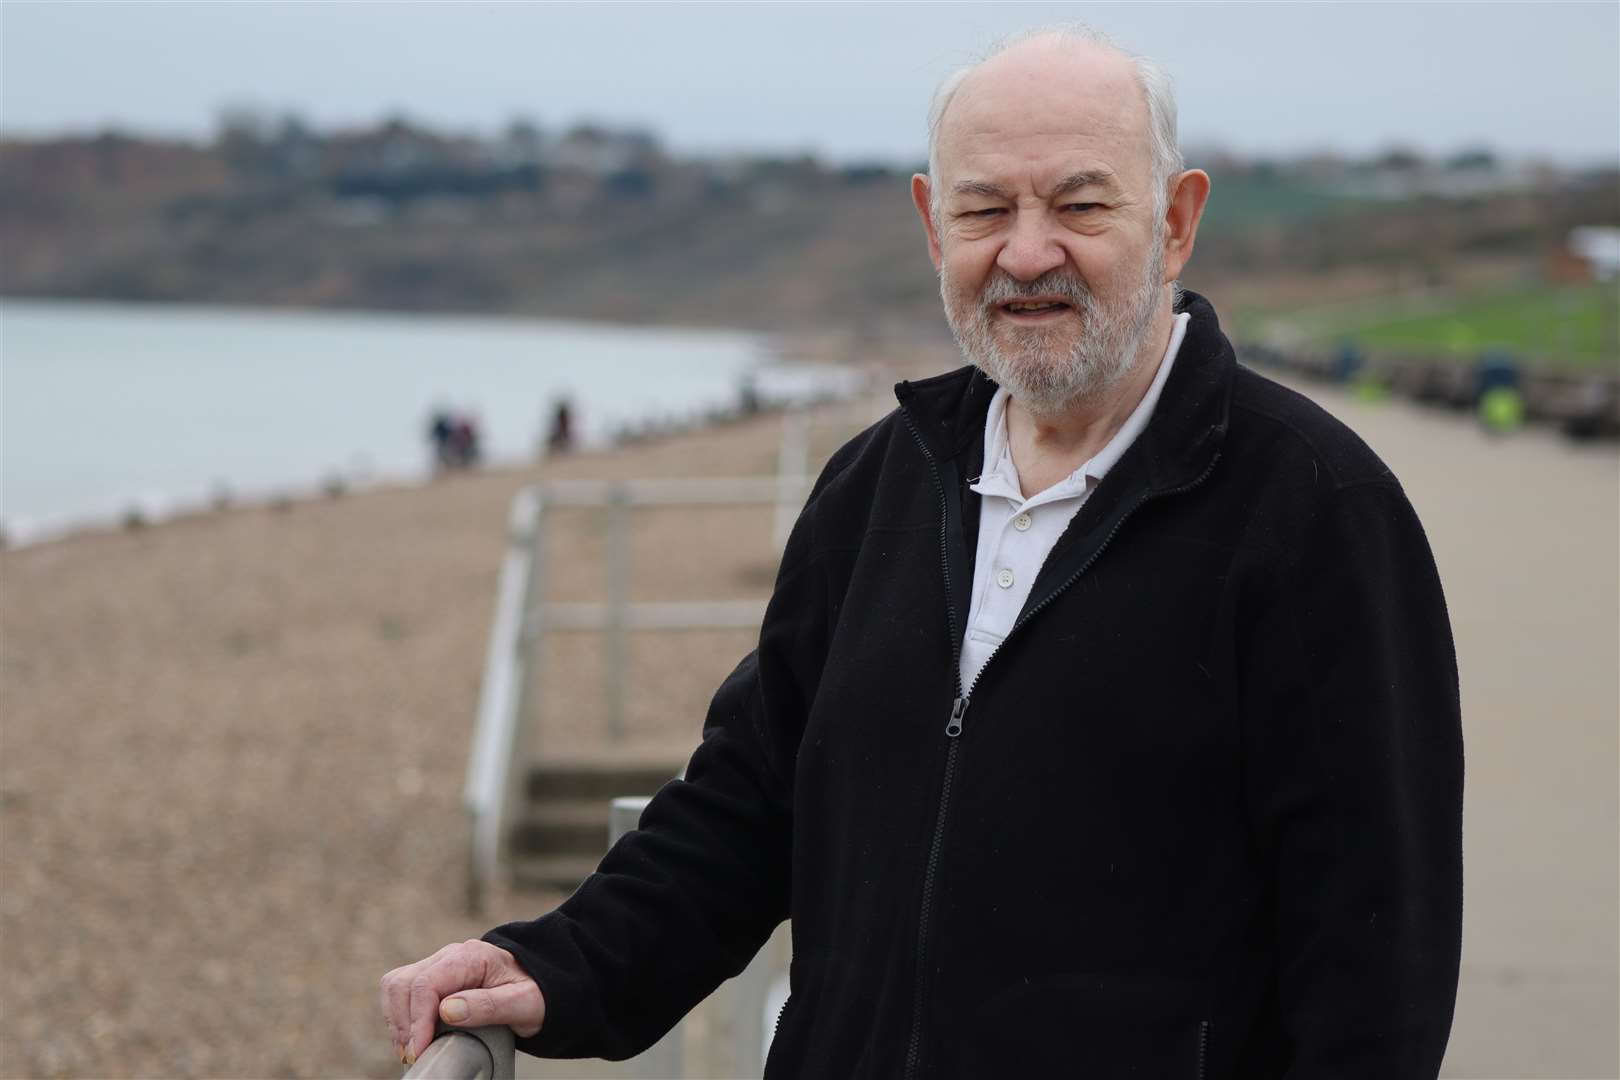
[454,1010]
[410,1058]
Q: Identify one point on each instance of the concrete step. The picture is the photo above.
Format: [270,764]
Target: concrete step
[561,832]
[601,775]
[553,871]
[562,826]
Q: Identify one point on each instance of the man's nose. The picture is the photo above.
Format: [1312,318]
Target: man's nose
[1031,248]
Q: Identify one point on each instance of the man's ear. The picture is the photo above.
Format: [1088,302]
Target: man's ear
[1188,194]
[920,195]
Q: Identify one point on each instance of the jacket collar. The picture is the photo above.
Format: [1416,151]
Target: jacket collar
[948,411]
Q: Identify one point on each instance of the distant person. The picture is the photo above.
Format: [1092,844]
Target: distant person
[748,401]
[455,439]
[560,437]
[440,430]
[1104,719]
[1348,362]
[1499,402]
[465,449]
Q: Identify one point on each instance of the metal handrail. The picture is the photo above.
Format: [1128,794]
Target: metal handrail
[521,616]
[489,766]
[484,1053]
[677,491]
[660,615]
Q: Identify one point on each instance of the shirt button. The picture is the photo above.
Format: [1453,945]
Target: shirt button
[1005,579]
[1021,522]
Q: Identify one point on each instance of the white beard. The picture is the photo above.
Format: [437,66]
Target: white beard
[1034,369]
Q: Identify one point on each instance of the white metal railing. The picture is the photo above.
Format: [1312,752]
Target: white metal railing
[484,1053]
[522,616]
[747,1004]
[489,766]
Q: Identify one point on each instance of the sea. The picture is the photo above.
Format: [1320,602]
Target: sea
[108,410]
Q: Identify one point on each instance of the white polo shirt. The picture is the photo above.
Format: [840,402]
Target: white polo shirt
[1017,534]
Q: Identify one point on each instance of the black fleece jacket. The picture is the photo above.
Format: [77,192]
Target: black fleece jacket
[1199,817]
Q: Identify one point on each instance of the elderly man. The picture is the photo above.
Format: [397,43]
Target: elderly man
[1104,719]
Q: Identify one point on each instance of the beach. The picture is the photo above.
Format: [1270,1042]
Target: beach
[233,748]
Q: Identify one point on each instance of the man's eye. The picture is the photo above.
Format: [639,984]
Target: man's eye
[988,211]
[1080,207]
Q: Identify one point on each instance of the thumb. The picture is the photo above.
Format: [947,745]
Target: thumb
[517,1005]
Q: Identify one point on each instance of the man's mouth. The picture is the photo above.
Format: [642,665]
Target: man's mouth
[1033,310]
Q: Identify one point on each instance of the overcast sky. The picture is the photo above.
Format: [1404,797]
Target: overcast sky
[847,81]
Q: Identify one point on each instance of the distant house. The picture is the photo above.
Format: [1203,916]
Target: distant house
[1403,173]
[1598,246]
[601,152]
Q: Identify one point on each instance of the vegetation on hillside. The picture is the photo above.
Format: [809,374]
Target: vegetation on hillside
[598,224]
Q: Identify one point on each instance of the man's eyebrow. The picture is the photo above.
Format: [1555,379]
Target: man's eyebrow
[1072,182]
[978,187]
[1084,178]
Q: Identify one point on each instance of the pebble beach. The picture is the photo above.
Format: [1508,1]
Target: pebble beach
[233,748]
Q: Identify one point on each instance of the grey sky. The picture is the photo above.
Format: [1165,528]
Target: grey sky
[844,80]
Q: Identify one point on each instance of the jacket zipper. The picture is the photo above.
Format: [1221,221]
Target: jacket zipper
[959,705]
[1203,1050]
[953,728]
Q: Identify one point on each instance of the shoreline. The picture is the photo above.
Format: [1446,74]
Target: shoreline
[154,512]
[148,512]
[783,368]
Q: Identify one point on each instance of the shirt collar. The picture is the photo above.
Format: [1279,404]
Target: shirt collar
[1000,476]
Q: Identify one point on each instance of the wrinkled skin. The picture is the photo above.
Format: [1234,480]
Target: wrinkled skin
[472,984]
[1045,191]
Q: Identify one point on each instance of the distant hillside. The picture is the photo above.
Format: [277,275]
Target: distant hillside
[602,225]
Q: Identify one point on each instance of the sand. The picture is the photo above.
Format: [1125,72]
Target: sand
[233,747]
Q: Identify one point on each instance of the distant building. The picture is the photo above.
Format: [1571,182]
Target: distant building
[1599,247]
[601,152]
[1402,173]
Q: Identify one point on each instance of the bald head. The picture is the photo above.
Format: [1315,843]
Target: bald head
[1057,84]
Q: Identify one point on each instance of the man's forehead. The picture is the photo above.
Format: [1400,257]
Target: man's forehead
[1041,101]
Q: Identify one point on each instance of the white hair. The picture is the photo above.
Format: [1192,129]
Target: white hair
[1157,91]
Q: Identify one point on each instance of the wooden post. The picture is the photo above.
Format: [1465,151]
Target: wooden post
[616,667]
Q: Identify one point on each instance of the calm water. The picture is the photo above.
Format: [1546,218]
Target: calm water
[104,407]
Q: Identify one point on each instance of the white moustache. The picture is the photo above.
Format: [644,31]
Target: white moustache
[1003,288]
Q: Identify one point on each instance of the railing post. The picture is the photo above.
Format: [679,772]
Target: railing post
[618,573]
[664,1058]
[490,763]
[792,459]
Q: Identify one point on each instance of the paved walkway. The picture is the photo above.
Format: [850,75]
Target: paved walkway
[1526,533]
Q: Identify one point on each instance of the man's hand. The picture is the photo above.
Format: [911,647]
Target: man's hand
[473,984]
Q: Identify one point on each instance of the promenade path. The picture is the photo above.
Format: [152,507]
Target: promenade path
[1526,533]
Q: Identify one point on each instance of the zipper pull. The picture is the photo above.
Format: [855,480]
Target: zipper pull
[953,727]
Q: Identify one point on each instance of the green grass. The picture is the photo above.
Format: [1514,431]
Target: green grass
[1543,324]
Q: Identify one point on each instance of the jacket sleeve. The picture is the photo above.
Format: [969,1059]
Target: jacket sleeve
[1355,781]
[684,901]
